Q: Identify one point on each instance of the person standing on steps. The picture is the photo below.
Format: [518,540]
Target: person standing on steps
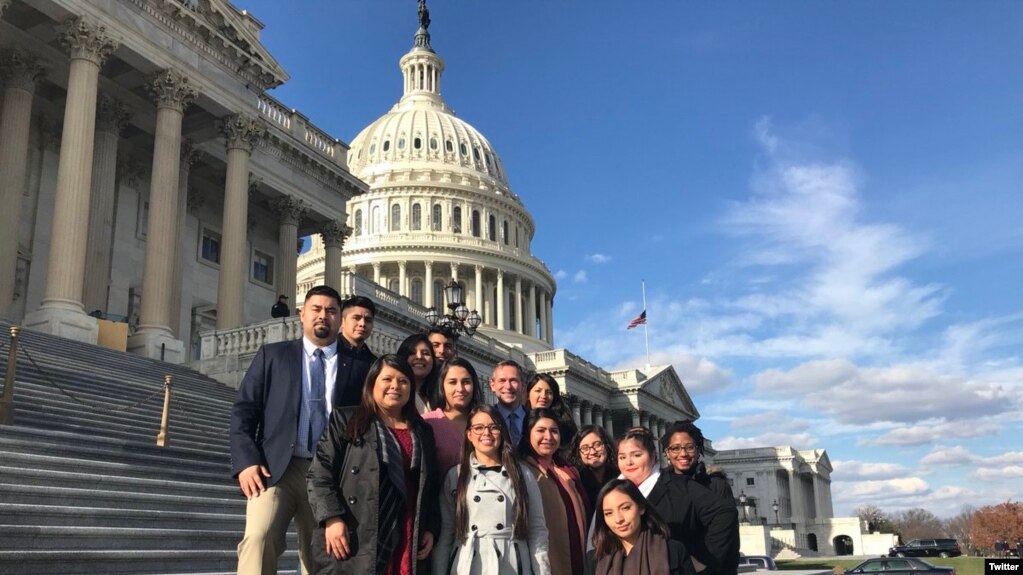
[279,413]
[280,309]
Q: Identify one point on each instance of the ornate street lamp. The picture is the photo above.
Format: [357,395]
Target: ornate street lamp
[744,504]
[774,506]
[460,320]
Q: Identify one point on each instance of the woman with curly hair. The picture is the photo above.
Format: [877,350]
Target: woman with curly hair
[593,456]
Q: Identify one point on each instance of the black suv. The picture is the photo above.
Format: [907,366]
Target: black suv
[927,548]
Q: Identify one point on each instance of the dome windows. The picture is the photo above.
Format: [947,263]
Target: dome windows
[401,143]
[448,146]
[456,220]
[435,218]
[417,216]
[492,228]
[358,222]
[373,148]
[476,153]
[395,218]
[505,232]
[417,143]
[433,143]
[475,229]
[387,145]
[461,148]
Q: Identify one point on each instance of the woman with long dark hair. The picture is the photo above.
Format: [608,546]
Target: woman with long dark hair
[705,524]
[371,483]
[543,391]
[492,518]
[630,538]
[593,456]
[458,391]
[564,505]
[417,350]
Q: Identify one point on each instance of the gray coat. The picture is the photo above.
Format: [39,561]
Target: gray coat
[491,547]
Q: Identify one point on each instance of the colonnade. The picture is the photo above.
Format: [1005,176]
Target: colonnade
[79,261]
[588,413]
[506,301]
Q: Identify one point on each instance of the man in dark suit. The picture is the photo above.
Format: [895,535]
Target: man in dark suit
[278,416]
[355,357]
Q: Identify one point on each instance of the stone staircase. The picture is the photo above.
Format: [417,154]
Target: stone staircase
[84,488]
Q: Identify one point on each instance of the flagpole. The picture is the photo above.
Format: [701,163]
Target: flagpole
[646,334]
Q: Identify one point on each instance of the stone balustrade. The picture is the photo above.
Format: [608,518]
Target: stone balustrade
[299,127]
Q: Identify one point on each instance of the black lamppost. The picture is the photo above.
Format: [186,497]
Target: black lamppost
[774,505]
[460,320]
[744,504]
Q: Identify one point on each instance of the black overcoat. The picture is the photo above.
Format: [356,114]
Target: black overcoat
[344,481]
[702,520]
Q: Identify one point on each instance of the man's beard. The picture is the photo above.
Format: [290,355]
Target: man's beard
[321,331]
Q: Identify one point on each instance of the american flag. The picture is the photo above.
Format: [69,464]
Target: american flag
[640,320]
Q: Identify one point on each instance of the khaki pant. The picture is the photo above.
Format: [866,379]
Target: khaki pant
[266,523]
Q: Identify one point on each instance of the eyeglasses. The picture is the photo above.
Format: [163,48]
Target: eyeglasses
[676,449]
[595,447]
[480,429]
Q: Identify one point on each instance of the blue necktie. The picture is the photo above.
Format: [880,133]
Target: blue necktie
[513,428]
[317,400]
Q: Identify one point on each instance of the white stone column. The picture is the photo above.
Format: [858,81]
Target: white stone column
[543,315]
[402,278]
[491,304]
[241,132]
[577,409]
[636,419]
[609,423]
[477,288]
[796,496]
[531,316]
[61,311]
[289,211]
[501,323]
[333,233]
[454,272]
[587,414]
[111,117]
[428,283]
[180,298]
[550,319]
[20,71]
[519,327]
[376,273]
[154,337]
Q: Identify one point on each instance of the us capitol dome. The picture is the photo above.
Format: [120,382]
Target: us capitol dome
[439,208]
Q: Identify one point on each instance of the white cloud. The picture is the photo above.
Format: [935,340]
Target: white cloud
[870,470]
[598,258]
[959,455]
[580,277]
[837,388]
[934,430]
[773,420]
[768,439]
[560,274]
[989,474]
[878,489]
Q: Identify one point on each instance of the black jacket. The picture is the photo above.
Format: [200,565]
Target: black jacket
[345,481]
[713,479]
[352,368]
[701,520]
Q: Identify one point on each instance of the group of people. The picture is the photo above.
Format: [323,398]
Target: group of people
[396,465]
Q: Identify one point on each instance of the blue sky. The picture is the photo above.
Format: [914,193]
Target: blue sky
[823,198]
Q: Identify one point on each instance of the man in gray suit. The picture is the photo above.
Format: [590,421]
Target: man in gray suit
[280,411]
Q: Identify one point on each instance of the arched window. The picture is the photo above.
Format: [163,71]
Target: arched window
[387,145]
[435,218]
[417,143]
[373,148]
[456,220]
[449,146]
[504,232]
[516,236]
[438,294]
[433,143]
[417,290]
[417,217]
[475,223]
[462,148]
[492,228]
[395,217]
[401,143]
[375,226]
[358,222]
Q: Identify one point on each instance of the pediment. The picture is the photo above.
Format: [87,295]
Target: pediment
[219,23]
[666,385]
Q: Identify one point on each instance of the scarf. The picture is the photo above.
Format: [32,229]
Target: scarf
[649,556]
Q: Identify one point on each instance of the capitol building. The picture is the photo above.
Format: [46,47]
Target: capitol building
[155,196]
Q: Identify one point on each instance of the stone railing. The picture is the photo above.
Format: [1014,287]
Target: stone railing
[245,340]
[560,358]
[299,127]
[435,238]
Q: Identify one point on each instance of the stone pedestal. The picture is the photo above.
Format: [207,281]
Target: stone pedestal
[67,322]
[157,345]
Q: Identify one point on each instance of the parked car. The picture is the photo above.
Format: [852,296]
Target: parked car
[927,548]
[899,565]
[759,561]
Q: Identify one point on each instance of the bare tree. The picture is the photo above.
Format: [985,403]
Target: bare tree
[916,524]
[875,518]
[958,527]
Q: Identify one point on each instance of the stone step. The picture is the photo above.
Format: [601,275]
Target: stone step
[24,493]
[47,436]
[121,561]
[56,514]
[61,418]
[99,467]
[105,454]
[226,488]
[40,538]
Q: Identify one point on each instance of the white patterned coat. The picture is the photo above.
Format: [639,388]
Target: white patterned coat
[490,547]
